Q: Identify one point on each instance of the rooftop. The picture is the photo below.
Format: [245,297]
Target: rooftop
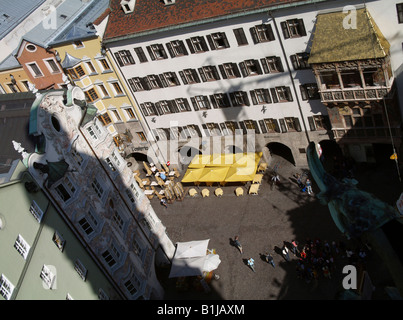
[153,14]
[14,12]
[365,41]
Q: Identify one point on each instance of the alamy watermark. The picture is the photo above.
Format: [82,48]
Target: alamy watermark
[350,280]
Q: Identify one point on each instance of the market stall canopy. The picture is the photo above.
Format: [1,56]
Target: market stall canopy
[191,249]
[241,174]
[213,174]
[192,174]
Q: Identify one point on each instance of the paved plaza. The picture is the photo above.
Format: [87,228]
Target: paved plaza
[263,222]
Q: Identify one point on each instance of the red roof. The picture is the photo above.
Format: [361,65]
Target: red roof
[154,14]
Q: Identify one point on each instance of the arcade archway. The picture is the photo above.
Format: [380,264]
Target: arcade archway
[281,150]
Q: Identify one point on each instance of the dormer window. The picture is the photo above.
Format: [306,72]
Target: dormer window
[128,5]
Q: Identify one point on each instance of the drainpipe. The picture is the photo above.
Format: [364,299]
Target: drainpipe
[290,74]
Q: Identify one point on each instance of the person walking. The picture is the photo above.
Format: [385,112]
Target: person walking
[308,186]
[285,253]
[270,259]
[251,264]
[294,247]
[164,202]
[238,244]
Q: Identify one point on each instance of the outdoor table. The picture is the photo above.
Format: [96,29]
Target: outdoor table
[148,192]
[172,173]
[205,193]
[262,167]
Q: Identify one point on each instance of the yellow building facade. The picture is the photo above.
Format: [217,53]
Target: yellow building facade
[13,78]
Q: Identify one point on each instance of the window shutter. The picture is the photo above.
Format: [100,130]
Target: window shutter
[204,44]
[253,95]
[164,54]
[226,100]
[183,47]
[267,95]
[194,103]
[143,108]
[182,75]
[202,75]
[236,69]
[243,69]
[195,75]
[279,64]
[265,66]
[311,124]
[274,95]
[284,27]
[232,97]
[215,73]
[224,37]
[224,75]
[151,53]
[270,33]
[213,101]
[171,52]
[294,61]
[132,86]
[259,68]
[243,127]
[256,127]
[289,94]
[297,125]
[245,98]
[163,81]
[211,43]
[187,106]
[254,35]
[304,94]
[283,126]
[206,132]
[190,46]
[158,109]
[301,27]
[262,126]
[118,59]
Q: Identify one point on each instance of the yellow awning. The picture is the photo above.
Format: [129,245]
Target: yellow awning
[241,174]
[213,174]
[221,159]
[192,175]
[199,161]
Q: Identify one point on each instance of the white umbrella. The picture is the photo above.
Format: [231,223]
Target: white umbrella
[187,267]
[191,249]
[212,262]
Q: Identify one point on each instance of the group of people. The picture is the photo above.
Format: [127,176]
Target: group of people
[305,187]
[318,258]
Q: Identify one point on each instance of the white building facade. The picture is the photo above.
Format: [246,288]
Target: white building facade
[245,68]
[80,168]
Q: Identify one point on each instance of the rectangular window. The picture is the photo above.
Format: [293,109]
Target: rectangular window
[104,64]
[81,270]
[293,28]
[240,37]
[300,61]
[229,70]
[132,285]
[250,68]
[220,100]
[105,119]
[218,41]
[91,95]
[189,76]
[262,33]
[153,82]
[124,58]
[130,113]
[260,96]
[117,88]
[197,44]
[35,70]
[53,66]
[169,79]
[292,124]
[90,67]
[6,287]
[109,258]
[200,103]
[209,73]
[272,64]
[36,211]
[86,226]
[58,240]
[399,9]
[47,276]
[140,54]
[157,52]
[22,246]
[176,48]
[271,125]
[97,188]
[309,91]
[239,98]
[281,94]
